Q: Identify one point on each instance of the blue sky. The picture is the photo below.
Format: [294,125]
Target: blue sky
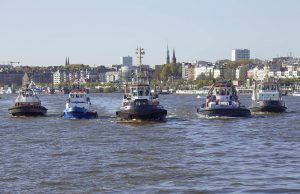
[99,32]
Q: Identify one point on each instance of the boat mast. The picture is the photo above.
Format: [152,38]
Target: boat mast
[140,52]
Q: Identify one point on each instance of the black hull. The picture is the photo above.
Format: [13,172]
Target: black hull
[144,113]
[27,110]
[269,106]
[225,112]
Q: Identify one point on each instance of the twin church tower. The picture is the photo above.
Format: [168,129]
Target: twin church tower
[168,56]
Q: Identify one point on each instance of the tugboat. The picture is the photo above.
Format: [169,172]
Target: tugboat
[222,101]
[139,103]
[37,89]
[78,105]
[27,104]
[266,96]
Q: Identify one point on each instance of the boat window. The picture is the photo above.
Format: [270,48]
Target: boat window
[72,95]
[217,91]
[147,92]
[141,91]
[259,87]
[133,91]
[77,96]
[222,91]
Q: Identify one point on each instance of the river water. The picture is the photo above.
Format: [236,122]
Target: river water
[187,154]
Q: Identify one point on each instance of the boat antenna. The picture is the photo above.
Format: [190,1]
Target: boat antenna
[140,52]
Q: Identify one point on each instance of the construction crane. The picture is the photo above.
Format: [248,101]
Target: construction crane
[12,62]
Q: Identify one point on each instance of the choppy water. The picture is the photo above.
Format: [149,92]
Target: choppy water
[187,154]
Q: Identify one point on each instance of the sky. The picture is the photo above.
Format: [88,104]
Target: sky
[99,32]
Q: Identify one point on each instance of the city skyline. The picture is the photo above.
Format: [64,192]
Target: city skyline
[100,32]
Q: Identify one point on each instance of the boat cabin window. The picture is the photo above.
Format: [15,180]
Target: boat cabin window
[269,87]
[147,91]
[222,91]
[259,87]
[133,91]
[141,91]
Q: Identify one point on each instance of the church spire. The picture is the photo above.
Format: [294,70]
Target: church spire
[66,63]
[168,56]
[174,57]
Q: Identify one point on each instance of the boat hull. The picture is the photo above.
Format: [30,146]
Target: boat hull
[268,106]
[28,110]
[225,112]
[144,113]
[79,113]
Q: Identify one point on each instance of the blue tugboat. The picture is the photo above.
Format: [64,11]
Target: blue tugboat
[139,103]
[78,105]
[222,101]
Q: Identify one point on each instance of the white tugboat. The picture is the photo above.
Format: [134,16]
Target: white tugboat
[27,102]
[266,96]
[78,105]
[139,103]
[222,101]
[37,89]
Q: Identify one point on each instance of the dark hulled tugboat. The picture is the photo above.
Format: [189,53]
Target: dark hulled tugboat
[222,101]
[139,103]
[266,96]
[27,104]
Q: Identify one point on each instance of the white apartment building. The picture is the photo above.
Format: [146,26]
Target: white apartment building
[240,54]
[207,70]
[112,76]
[60,77]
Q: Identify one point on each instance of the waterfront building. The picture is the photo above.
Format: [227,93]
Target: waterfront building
[7,67]
[240,54]
[41,77]
[125,74]
[61,77]
[11,77]
[112,76]
[185,70]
